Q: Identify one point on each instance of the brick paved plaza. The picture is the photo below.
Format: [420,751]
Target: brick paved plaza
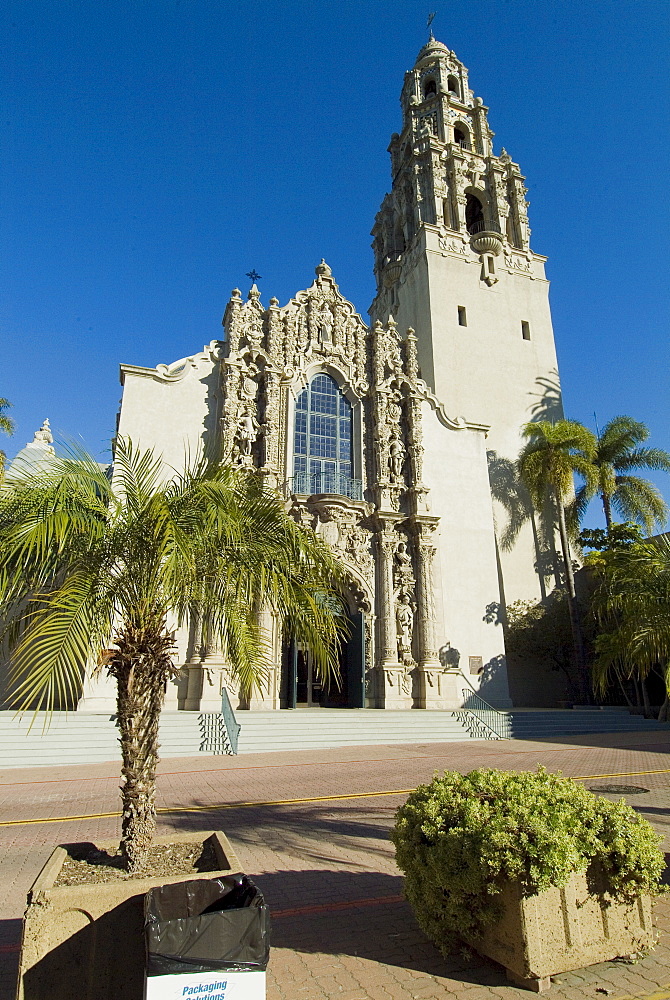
[323,858]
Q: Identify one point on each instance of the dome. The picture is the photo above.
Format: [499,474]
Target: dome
[432,48]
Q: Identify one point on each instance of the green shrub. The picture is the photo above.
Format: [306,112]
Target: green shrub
[462,837]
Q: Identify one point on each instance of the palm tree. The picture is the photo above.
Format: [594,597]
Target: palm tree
[84,561]
[6,425]
[553,453]
[617,453]
[631,602]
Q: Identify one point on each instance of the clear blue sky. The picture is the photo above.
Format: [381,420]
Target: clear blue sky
[154,152]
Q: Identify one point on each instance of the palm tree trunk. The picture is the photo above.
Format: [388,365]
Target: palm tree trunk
[645,696]
[607,508]
[573,608]
[142,668]
[623,688]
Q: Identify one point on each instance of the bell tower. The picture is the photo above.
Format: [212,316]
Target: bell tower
[453,262]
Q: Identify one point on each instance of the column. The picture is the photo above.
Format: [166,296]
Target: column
[265,695]
[438,688]
[395,678]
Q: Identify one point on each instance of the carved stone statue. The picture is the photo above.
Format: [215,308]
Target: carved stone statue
[404,616]
[402,564]
[396,457]
[325,325]
[246,433]
[357,544]
[255,334]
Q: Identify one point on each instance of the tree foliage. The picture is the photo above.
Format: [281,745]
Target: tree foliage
[6,426]
[539,632]
[103,572]
[618,451]
[553,453]
[631,603]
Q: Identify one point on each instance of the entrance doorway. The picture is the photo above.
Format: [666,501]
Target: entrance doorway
[301,687]
[309,689]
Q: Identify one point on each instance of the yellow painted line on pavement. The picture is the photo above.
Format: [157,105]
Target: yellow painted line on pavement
[662,994]
[218,807]
[640,747]
[213,808]
[619,774]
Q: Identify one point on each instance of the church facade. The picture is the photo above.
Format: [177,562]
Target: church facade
[394,440]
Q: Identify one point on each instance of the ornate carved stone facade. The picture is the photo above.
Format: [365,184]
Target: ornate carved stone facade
[380,436]
[379,529]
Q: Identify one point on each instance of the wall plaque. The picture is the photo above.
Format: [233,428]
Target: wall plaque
[476,664]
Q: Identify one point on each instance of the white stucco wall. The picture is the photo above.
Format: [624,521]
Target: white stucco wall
[466,574]
[172,409]
[486,372]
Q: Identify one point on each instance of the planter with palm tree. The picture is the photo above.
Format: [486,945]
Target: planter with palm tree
[100,571]
[553,453]
[87,940]
[83,559]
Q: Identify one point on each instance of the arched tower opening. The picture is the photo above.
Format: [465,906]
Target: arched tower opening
[462,135]
[474,214]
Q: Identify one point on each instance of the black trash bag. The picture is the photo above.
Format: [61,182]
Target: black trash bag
[206,924]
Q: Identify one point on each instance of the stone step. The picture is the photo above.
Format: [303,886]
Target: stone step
[545,724]
[75,738]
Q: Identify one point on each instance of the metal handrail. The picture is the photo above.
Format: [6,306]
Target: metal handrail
[493,720]
[326,482]
[230,723]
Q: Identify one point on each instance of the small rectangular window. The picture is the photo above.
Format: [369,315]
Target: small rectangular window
[525,329]
[492,267]
[462,318]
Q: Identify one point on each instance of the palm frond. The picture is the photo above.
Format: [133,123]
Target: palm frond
[644,458]
[640,501]
[61,632]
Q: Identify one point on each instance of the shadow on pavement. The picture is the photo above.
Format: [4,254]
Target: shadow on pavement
[317,832]
[658,742]
[373,930]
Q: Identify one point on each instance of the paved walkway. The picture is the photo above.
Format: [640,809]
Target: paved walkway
[312,829]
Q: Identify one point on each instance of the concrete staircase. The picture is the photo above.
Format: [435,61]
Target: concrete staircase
[305,729]
[79,738]
[537,724]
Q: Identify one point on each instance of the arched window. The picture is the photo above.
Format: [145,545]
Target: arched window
[474,214]
[429,87]
[398,237]
[452,86]
[322,444]
[461,136]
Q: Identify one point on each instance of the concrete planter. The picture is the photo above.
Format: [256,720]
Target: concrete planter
[563,929]
[87,941]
